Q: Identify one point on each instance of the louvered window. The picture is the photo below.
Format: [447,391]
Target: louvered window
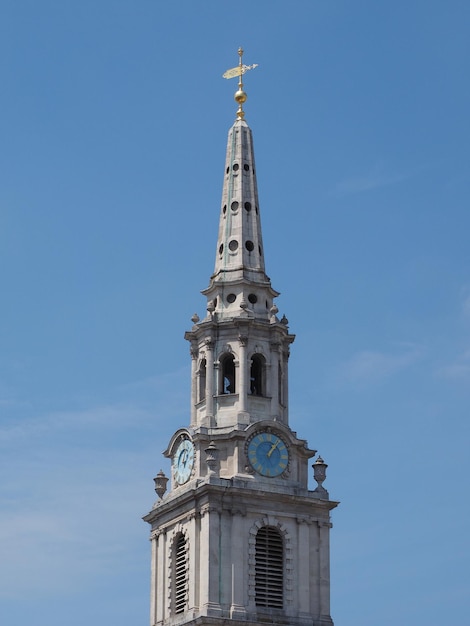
[269,568]
[180,575]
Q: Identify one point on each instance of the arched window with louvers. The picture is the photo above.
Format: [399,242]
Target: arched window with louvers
[180,574]
[269,568]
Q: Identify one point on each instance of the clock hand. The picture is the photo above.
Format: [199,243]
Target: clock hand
[273,447]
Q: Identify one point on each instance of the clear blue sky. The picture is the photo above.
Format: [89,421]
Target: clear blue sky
[113,125]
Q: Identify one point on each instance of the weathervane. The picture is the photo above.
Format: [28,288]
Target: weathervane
[240,96]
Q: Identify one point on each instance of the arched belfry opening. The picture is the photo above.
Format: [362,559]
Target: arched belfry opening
[258,375]
[227,374]
[202,380]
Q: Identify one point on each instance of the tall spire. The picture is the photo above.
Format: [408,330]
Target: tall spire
[239,281]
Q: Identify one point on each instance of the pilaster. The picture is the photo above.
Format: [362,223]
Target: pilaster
[210,564]
[210,375]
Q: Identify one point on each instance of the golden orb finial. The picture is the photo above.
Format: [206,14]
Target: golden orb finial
[240,96]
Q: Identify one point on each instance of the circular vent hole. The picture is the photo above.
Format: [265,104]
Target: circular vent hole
[221,248]
[246,167]
[231,298]
[224,210]
[233,245]
[234,206]
[252,298]
[249,246]
[235,167]
[248,206]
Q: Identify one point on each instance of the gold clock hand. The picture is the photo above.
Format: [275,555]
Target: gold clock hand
[273,447]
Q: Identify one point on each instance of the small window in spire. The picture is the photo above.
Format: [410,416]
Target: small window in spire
[221,248]
[234,206]
[252,298]
[246,167]
[249,245]
[224,210]
[231,298]
[233,245]
[248,206]
[236,167]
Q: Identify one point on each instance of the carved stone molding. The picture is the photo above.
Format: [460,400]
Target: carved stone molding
[243,339]
[240,512]
[209,343]
[208,508]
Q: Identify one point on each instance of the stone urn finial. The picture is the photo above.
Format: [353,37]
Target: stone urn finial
[273,311]
[160,481]
[212,459]
[319,474]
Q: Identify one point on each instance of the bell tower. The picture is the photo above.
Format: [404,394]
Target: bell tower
[239,537]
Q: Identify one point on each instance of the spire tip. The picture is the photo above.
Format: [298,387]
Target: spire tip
[240,95]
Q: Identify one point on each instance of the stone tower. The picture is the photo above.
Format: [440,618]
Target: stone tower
[239,538]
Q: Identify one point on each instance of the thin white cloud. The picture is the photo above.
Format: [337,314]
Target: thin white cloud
[458,370]
[371,366]
[141,402]
[76,520]
[366,182]
[93,419]
[162,381]
[72,504]
[465,295]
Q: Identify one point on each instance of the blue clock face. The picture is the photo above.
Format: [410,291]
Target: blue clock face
[268,454]
[183,461]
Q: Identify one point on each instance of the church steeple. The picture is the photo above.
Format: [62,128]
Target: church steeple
[240,349]
[240,537]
